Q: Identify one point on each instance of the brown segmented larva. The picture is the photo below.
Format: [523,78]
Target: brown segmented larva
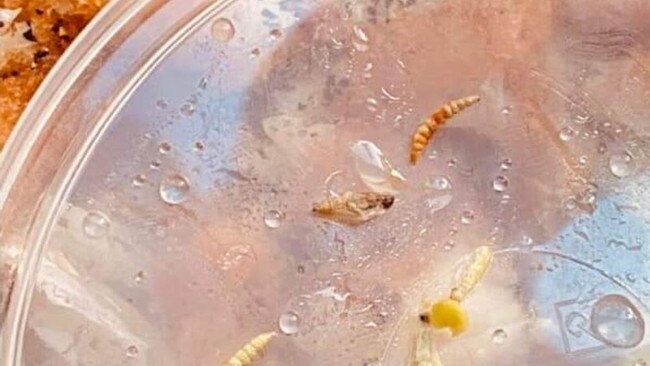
[428,127]
[355,207]
[251,351]
[424,350]
[472,274]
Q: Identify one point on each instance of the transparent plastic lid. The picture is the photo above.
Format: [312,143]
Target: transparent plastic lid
[156,201]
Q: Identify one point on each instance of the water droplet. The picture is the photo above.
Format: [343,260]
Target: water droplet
[139,277]
[374,169]
[617,322]
[95,224]
[223,30]
[255,52]
[570,204]
[199,146]
[165,147]
[506,110]
[567,133]
[500,183]
[187,109]
[360,42]
[467,217]
[448,246]
[273,219]
[139,180]
[174,189]
[640,362]
[602,148]
[203,83]
[289,323]
[622,165]
[506,164]
[526,240]
[161,104]
[275,33]
[154,165]
[583,160]
[499,336]
[438,182]
[438,203]
[371,104]
[360,33]
[132,352]
[581,117]
[389,95]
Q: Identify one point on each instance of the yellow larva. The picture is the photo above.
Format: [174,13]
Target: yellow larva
[424,351]
[251,351]
[449,313]
[427,128]
[472,274]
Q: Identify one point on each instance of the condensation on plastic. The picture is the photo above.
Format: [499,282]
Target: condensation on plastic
[155,196]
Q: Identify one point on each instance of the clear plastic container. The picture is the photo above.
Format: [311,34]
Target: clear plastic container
[156,196]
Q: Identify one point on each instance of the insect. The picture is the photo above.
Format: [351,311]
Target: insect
[251,351]
[472,274]
[355,207]
[429,126]
[424,351]
[449,313]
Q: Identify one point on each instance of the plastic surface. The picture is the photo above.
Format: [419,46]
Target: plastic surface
[156,197]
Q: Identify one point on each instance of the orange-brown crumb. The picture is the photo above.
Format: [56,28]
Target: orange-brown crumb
[53,24]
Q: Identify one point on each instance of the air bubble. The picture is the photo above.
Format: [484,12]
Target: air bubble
[199,146]
[255,52]
[223,30]
[95,224]
[154,165]
[506,110]
[174,189]
[289,323]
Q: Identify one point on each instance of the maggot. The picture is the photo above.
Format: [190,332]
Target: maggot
[251,351]
[428,127]
[472,274]
[424,352]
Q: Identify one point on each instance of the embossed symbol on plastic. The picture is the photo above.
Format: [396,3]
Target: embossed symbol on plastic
[573,320]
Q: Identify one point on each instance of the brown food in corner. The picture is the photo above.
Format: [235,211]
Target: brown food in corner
[53,26]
